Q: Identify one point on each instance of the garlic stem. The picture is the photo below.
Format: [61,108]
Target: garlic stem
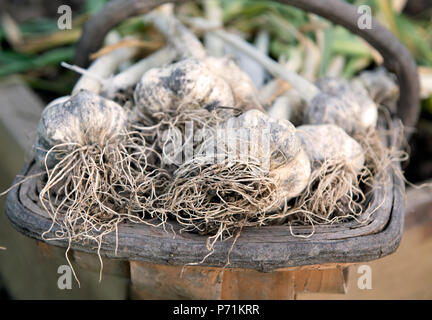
[312,60]
[103,67]
[306,89]
[254,69]
[336,66]
[262,41]
[425,75]
[133,74]
[185,42]
[250,66]
[281,108]
[84,72]
[213,13]
[269,90]
[189,46]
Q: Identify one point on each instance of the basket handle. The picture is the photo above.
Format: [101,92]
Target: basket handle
[397,58]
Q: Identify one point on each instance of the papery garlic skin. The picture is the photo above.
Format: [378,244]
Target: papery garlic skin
[329,142]
[381,85]
[187,81]
[341,103]
[280,134]
[83,119]
[274,143]
[244,90]
[294,176]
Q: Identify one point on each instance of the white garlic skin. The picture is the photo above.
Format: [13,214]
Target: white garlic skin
[381,85]
[294,176]
[242,86]
[84,119]
[187,81]
[341,103]
[330,142]
[289,164]
[283,142]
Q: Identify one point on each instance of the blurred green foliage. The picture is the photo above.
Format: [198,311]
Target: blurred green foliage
[42,47]
[288,27]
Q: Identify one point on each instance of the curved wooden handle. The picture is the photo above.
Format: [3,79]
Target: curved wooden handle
[397,58]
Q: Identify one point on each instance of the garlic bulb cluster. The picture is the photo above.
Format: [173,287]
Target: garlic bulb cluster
[341,103]
[329,142]
[188,81]
[84,119]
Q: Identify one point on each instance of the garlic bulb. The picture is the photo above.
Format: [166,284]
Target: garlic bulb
[274,143]
[188,45]
[329,142]
[346,105]
[293,177]
[277,135]
[244,90]
[381,86]
[187,81]
[289,164]
[83,119]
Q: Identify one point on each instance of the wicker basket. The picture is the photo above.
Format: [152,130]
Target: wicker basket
[262,249]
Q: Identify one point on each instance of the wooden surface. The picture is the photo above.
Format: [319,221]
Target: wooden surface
[406,274]
[241,284]
[150,281]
